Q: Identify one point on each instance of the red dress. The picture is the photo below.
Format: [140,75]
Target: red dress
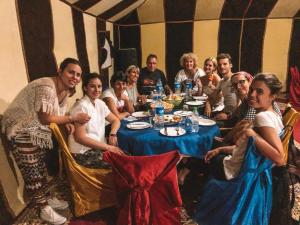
[147,188]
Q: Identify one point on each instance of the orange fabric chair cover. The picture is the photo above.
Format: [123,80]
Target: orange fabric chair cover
[289,119]
[92,189]
[147,188]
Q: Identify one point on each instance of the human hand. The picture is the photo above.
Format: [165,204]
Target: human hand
[142,99]
[210,154]
[113,140]
[70,128]
[81,118]
[115,149]
[124,97]
[207,109]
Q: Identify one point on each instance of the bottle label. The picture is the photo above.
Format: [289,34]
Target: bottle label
[159,110]
[189,85]
[176,85]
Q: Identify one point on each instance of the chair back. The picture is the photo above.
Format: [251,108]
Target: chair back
[92,189]
[290,117]
[147,188]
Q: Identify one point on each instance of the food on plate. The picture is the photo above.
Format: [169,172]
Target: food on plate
[167,106]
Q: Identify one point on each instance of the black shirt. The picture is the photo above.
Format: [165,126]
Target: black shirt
[147,80]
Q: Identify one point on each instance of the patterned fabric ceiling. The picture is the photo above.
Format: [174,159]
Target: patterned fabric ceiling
[155,11]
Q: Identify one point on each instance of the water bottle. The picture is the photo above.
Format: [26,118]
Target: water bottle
[188,89]
[159,114]
[195,116]
[159,87]
[177,87]
[189,124]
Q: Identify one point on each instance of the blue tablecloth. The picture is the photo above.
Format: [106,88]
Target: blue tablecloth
[151,142]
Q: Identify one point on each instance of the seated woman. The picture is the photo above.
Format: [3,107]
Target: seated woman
[254,200]
[209,84]
[190,71]
[88,140]
[132,73]
[267,129]
[116,98]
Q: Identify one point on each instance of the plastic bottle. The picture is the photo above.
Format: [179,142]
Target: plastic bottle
[159,114]
[188,89]
[159,87]
[177,86]
[195,116]
[189,124]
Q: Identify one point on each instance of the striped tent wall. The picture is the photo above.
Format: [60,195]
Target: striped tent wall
[36,37]
[260,38]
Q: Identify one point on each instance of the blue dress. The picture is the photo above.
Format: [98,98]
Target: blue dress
[244,200]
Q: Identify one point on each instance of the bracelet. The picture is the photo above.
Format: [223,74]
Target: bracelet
[113,135]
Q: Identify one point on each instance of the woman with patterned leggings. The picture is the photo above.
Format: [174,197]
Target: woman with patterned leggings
[25,124]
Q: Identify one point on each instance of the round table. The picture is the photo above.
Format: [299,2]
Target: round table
[150,142]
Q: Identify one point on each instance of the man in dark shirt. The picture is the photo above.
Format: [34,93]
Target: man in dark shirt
[149,76]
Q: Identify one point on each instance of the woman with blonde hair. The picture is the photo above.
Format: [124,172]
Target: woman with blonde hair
[209,84]
[190,71]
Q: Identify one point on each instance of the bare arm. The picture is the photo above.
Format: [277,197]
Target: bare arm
[212,153]
[115,125]
[81,137]
[112,107]
[47,119]
[268,143]
[127,103]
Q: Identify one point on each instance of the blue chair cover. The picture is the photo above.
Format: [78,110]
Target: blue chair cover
[244,200]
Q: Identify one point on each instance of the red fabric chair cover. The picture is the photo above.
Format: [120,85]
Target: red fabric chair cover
[147,188]
[295,88]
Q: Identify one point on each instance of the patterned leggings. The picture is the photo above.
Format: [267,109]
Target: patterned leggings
[30,160]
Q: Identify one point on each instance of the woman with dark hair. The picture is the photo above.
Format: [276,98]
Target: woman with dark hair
[25,124]
[88,140]
[116,98]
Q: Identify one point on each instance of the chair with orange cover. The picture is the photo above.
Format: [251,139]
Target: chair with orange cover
[92,189]
[147,188]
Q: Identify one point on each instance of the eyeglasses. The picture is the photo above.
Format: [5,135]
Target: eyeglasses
[240,82]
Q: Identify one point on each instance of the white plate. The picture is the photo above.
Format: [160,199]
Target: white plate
[130,118]
[195,103]
[206,122]
[183,113]
[200,98]
[140,114]
[138,125]
[171,131]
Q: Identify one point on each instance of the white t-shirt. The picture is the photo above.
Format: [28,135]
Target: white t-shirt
[233,163]
[182,76]
[95,128]
[110,93]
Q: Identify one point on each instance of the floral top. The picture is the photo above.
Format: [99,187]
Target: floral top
[22,114]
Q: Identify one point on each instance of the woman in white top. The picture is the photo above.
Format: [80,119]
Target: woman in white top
[116,98]
[190,71]
[132,73]
[88,140]
[266,130]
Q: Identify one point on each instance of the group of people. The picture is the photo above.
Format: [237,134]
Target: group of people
[236,98]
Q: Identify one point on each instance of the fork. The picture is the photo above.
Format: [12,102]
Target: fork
[177,131]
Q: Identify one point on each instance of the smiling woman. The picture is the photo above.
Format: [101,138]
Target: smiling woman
[25,124]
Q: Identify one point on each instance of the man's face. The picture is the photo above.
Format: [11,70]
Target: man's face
[224,66]
[151,64]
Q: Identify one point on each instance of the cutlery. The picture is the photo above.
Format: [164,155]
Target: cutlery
[177,130]
[166,131]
